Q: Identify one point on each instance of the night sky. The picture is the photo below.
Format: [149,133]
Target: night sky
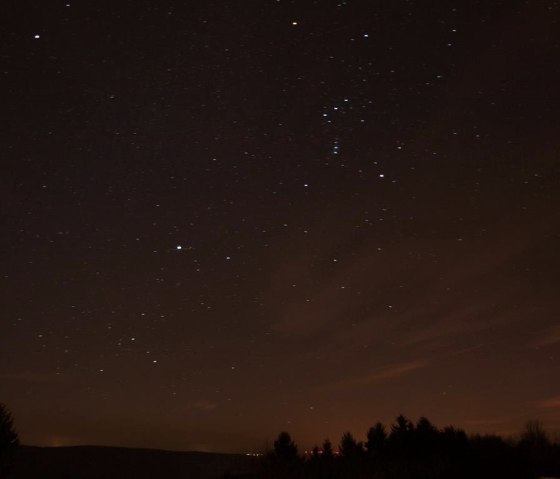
[224,219]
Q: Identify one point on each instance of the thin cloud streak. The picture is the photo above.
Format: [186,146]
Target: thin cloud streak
[202,405]
[549,336]
[551,403]
[386,372]
[33,377]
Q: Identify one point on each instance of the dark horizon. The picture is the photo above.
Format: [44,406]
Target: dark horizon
[226,220]
[406,449]
[306,449]
[266,444]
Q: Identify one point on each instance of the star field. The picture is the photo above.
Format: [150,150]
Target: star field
[222,220]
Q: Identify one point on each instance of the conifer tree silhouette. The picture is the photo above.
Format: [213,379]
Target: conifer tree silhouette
[376,438]
[327,450]
[8,441]
[349,448]
[284,448]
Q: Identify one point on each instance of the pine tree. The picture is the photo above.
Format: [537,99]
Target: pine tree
[8,441]
[284,448]
[376,439]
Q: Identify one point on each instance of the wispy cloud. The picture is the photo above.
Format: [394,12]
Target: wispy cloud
[202,405]
[550,403]
[457,295]
[487,422]
[32,377]
[548,336]
[390,371]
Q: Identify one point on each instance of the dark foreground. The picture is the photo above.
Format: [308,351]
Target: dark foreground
[95,462]
[89,462]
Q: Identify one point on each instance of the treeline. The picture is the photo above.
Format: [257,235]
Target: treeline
[417,451]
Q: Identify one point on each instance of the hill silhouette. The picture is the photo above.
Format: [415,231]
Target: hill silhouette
[94,462]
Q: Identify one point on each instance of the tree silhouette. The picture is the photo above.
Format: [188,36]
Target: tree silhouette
[403,427]
[419,451]
[376,438]
[452,434]
[315,462]
[535,446]
[328,464]
[327,450]
[402,431]
[283,461]
[284,448]
[8,441]
[534,435]
[376,447]
[426,438]
[425,429]
[349,448]
[453,442]
[315,453]
[352,452]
